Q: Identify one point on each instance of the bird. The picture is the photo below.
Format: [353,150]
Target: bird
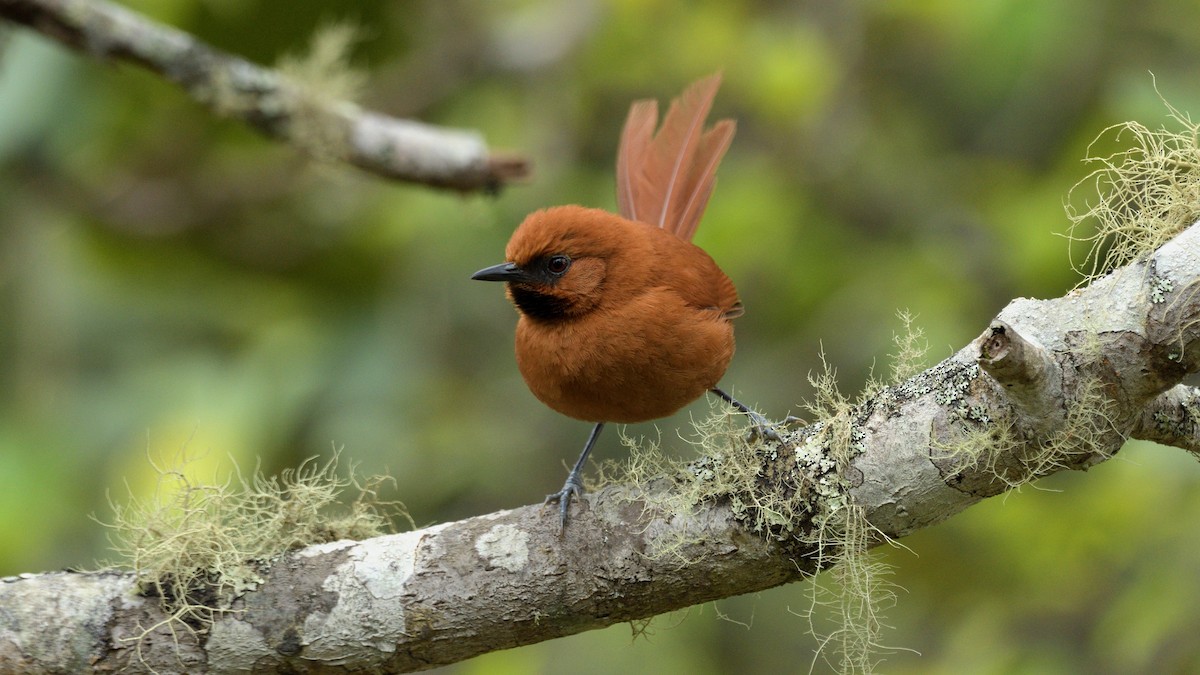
[623,319]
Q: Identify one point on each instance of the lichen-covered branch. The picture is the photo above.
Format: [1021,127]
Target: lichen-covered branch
[1172,418]
[398,603]
[229,86]
[1026,371]
[1113,347]
[904,457]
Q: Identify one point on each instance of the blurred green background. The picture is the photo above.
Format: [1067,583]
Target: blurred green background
[170,281]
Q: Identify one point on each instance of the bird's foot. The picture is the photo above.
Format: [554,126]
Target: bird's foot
[573,487]
[762,429]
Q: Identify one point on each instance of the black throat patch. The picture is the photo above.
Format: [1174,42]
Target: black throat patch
[538,305]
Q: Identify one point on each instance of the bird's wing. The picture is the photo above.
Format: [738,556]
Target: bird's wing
[696,278]
[665,178]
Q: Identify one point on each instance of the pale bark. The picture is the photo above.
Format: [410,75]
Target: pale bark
[1064,382]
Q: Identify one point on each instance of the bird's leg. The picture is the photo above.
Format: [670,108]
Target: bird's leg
[574,484]
[760,427]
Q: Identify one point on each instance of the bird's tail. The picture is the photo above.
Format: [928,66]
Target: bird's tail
[665,178]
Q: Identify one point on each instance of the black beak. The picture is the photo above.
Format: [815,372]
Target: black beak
[502,272]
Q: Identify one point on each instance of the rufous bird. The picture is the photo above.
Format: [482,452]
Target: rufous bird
[622,318]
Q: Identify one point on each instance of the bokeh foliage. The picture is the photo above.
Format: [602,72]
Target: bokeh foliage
[170,281]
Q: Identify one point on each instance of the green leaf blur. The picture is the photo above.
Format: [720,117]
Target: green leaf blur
[173,282]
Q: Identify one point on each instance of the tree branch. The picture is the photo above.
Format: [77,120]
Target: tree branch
[401,602]
[232,87]
[1172,418]
[1111,355]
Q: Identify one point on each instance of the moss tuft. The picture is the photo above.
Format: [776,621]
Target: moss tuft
[197,547]
[797,493]
[911,349]
[323,75]
[1144,195]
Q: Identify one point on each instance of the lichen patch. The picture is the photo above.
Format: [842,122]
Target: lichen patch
[504,546]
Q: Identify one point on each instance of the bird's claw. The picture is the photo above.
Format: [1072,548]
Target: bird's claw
[761,429]
[573,487]
[761,432]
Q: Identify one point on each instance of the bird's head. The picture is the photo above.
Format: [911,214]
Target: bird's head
[558,260]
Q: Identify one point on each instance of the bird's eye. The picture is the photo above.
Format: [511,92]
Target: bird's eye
[557,265]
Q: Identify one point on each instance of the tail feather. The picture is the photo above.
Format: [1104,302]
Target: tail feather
[635,146]
[713,145]
[666,178]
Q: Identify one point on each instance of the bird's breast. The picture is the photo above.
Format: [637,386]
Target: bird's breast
[634,361]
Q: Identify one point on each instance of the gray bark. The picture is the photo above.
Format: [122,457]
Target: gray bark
[1061,382]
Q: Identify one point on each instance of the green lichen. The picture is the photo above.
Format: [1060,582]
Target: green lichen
[1160,287]
[1143,195]
[322,77]
[797,493]
[1080,438]
[981,447]
[911,348]
[197,547]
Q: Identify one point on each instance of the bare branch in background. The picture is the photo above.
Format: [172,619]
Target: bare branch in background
[275,105]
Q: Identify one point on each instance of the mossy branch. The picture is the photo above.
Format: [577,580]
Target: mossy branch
[313,119]
[904,457]
[1172,418]
[1051,385]
[1027,371]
